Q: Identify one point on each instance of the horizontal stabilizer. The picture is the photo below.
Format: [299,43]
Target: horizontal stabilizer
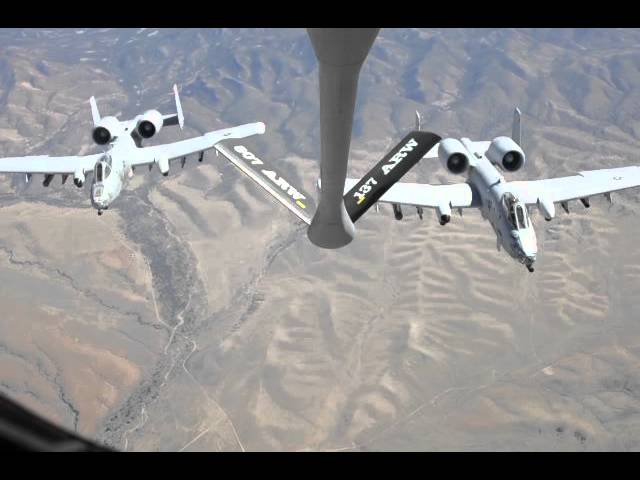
[295,199]
[388,171]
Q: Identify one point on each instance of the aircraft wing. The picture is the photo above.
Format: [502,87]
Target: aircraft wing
[293,198]
[459,195]
[48,165]
[583,185]
[173,151]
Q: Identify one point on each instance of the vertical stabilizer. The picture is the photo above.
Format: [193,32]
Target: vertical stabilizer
[175,118]
[516,133]
[178,107]
[95,114]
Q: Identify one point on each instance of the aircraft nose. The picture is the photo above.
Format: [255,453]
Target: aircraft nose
[527,248]
[100,200]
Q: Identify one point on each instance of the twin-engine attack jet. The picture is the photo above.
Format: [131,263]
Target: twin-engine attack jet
[124,152]
[504,204]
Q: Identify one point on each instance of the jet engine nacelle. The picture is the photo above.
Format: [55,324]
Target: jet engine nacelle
[105,130]
[150,123]
[444,213]
[454,156]
[507,153]
[163,165]
[547,208]
[78,178]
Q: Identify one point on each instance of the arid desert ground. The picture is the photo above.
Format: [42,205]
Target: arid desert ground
[196,315]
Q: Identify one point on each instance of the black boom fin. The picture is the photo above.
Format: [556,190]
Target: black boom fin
[388,171]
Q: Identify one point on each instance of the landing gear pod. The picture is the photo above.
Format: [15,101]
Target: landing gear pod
[444,213]
[547,208]
[78,178]
[163,165]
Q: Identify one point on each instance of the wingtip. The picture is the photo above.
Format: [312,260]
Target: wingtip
[261,128]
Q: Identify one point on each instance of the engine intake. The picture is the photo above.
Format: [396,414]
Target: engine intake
[453,154]
[101,135]
[150,124]
[105,130]
[507,153]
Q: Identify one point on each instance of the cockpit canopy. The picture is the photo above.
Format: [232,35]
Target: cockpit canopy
[516,211]
[102,169]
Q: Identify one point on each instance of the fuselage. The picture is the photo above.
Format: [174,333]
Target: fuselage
[505,212]
[112,170]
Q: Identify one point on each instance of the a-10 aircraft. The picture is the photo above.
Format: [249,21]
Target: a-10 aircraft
[124,152]
[505,204]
